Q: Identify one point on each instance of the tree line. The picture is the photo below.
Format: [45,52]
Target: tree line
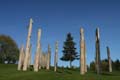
[9,53]
[105,65]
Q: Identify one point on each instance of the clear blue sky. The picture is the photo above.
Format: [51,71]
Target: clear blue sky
[57,18]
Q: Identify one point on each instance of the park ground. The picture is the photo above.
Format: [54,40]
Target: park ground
[9,72]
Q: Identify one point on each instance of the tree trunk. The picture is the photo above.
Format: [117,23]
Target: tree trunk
[8,62]
[70,64]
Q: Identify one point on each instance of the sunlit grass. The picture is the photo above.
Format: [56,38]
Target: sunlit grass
[9,72]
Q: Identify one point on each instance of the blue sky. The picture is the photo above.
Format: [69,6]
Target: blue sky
[58,17]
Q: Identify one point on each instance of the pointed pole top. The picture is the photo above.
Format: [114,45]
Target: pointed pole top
[22,45]
[31,20]
[98,32]
[39,30]
[107,47]
[48,46]
[97,29]
[56,44]
[82,33]
[81,30]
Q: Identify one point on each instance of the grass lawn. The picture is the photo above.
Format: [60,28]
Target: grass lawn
[9,72]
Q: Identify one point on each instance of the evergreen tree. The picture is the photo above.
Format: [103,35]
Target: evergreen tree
[69,50]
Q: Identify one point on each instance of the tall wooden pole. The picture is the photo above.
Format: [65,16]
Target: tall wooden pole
[37,56]
[40,59]
[109,59]
[85,57]
[21,58]
[48,58]
[82,52]
[56,56]
[27,46]
[98,62]
[29,56]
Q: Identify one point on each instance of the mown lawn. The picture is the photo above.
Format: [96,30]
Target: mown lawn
[9,72]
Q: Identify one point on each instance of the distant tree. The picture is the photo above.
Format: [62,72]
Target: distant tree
[117,64]
[104,65]
[92,66]
[69,50]
[9,51]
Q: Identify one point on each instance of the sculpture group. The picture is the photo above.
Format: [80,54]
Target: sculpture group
[42,60]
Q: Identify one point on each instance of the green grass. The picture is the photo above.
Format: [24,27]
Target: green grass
[9,72]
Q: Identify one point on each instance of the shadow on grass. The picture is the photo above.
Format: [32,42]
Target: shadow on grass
[64,71]
[109,74]
[68,72]
[59,72]
[106,73]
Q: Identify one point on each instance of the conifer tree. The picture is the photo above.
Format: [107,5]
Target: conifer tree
[69,50]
